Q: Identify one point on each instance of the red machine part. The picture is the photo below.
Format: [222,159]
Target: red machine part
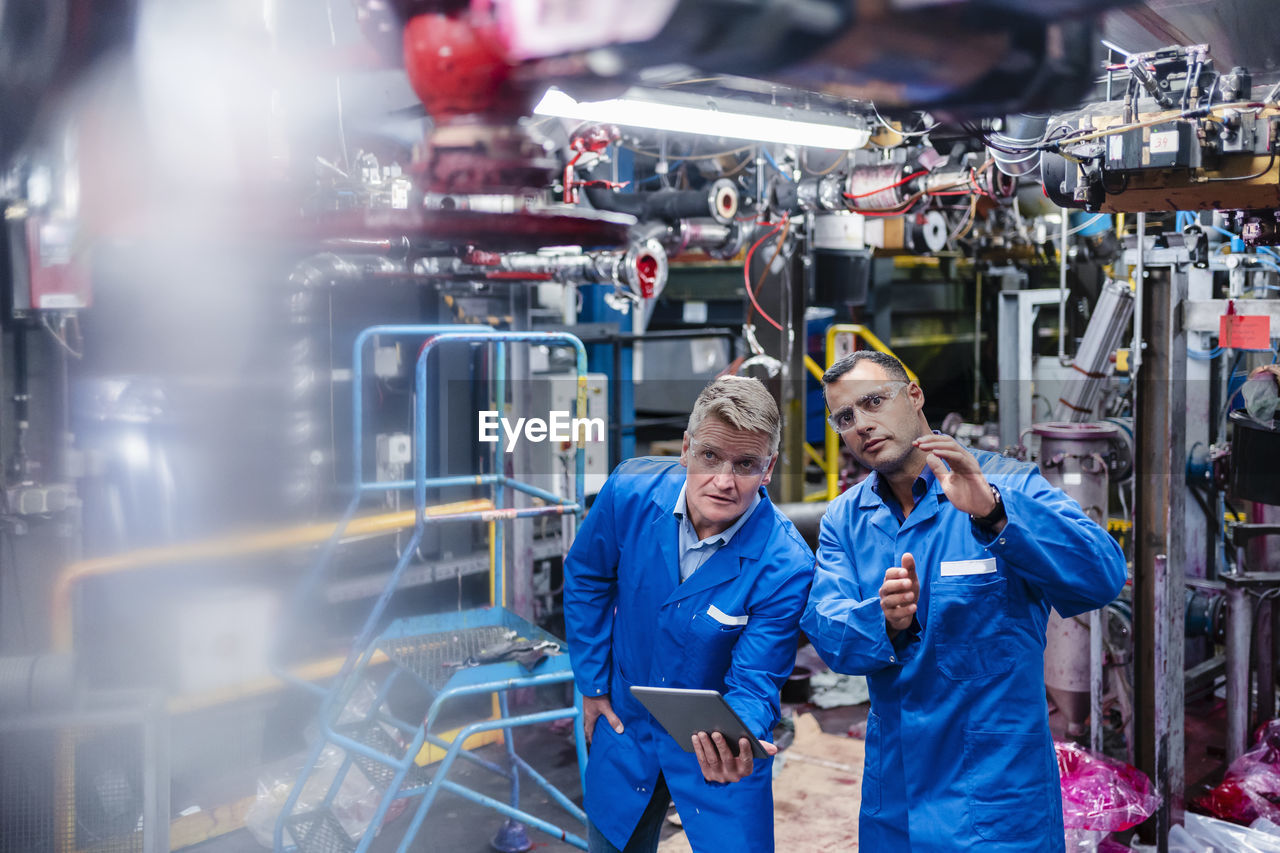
[647,274]
[458,68]
[588,139]
[644,268]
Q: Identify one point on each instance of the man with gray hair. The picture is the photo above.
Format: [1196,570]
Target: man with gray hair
[685,575]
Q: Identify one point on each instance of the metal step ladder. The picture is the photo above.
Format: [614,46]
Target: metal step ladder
[449,655]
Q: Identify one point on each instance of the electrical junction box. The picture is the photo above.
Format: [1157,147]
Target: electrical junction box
[386,362]
[1162,146]
[392,453]
[47,265]
[552,462]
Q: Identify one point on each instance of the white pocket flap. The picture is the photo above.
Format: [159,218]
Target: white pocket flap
[725,619]
[968,567]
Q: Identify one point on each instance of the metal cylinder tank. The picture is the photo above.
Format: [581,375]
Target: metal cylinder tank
[1074,457]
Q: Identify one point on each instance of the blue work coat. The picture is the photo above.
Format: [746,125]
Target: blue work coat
[732,627]
[959,755]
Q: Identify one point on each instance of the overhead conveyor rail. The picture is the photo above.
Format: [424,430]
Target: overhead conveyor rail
[426,649]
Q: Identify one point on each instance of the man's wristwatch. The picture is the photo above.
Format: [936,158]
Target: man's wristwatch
[996,515]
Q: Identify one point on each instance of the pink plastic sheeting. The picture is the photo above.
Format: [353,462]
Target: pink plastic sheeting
[1251,787]
[1100,793]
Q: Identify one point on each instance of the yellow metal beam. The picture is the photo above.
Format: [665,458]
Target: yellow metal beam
[832,444]
[816,457]
[861,331]
[231,546]
[814,369]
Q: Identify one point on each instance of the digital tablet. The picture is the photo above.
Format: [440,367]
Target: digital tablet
[684,712]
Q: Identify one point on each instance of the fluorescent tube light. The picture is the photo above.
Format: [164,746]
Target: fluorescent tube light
[732,121]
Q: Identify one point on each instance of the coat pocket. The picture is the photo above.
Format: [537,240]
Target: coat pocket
[1008,785]
[969,624]
[871,766]
[708,650]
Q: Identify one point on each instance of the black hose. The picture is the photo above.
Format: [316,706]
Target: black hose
[668,205]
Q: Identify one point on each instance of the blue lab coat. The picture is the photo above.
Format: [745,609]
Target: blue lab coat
[629,621]
[959,755]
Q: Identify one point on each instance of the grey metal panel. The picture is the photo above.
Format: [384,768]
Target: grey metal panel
[1159,561]
[1202,315]
[1017,318]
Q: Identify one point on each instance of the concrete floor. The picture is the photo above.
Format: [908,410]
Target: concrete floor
[455,825]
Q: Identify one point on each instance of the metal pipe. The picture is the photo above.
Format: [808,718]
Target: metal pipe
[806,516]
[500,386]
[1162,710]
[447,762]
[1095,679]
[977,343]
[702,233]
[235,546]
[510,743]
[1062,290]
[515,814]
[551,790]
[1265,663]
[1135,354]
[36,683]
[1239,629]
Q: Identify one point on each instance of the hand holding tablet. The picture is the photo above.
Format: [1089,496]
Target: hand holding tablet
[686,712]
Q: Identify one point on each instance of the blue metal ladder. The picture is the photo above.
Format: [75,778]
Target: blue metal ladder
[420,647]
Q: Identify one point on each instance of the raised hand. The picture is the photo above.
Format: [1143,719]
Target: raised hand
[958,473]
[899,594]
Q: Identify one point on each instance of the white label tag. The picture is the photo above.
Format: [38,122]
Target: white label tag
[968,567]
[1072,478]
[694,311]
[1115,147]
[1164,142]
[725,619]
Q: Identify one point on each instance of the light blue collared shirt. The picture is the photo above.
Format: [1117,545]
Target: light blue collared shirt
[694,551]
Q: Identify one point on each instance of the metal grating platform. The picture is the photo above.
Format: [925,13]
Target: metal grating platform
[372,734]
[434,658]
[319,832]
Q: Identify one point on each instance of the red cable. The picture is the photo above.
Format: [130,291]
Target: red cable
[891,186]
[746,274]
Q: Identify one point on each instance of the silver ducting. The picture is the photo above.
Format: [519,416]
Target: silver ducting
[1008,146]
[1093,362]
[1077,459]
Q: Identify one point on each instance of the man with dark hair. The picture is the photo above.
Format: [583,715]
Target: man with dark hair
[685,575]
[935,577]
